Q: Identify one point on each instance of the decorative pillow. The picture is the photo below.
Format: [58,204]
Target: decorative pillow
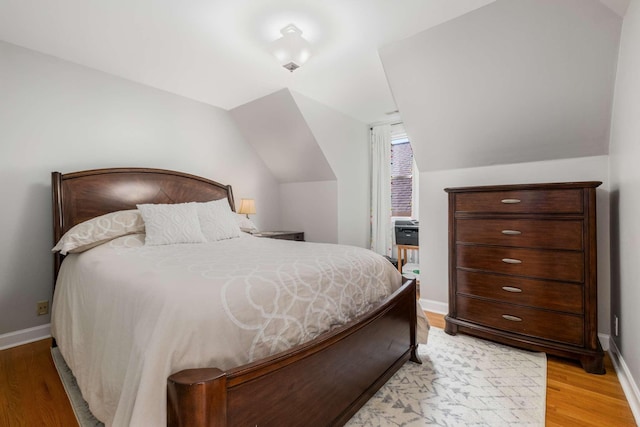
[217,220]
[245,224]
[98,230]
[170,224]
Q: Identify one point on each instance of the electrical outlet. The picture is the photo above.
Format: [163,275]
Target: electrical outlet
[43,308]
[616,325]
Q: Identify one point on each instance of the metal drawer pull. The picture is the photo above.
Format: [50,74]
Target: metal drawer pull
[511,201]
[512,318]
[511,261]
[511,232]
[511,289]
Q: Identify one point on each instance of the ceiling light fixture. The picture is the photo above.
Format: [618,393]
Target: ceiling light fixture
[292,50]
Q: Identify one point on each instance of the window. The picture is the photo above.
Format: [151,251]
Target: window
[401,176]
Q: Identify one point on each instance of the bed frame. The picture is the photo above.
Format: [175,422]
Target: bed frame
[322,382]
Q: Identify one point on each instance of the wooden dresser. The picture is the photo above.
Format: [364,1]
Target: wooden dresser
[522,267]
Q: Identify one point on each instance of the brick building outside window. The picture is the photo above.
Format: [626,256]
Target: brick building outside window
[401,177]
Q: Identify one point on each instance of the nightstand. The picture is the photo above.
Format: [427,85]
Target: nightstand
[282,235]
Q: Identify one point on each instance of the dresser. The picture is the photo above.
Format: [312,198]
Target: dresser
[522,267]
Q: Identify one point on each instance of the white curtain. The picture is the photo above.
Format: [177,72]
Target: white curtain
[415,190]
[415,202]
[381,241]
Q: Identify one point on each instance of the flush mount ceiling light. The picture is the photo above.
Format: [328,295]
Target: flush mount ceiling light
[292,50]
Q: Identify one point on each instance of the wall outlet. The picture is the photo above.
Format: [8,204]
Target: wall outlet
[43,307]
[616,326]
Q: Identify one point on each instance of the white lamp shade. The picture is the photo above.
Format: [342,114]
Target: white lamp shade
[291,50]
[247,206]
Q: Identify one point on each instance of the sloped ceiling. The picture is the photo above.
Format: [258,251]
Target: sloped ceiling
[618,6]
[277,130]
[217,51]
[513,81]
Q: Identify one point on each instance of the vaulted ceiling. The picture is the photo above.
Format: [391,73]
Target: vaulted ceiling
[370,58]
[512,82]
[216,51]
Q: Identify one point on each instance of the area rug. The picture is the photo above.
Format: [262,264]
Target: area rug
[463,381]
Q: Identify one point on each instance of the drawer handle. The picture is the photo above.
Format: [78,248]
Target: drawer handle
[512,318]
[511,232]
[510,201]
[511,261]
[511,289]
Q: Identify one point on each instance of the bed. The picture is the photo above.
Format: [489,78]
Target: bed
[319,378]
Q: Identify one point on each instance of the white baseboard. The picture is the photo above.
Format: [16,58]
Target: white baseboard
[25,336]
[604,341]
[434,306]
[629,386]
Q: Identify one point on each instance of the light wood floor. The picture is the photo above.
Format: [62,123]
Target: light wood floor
[31,393]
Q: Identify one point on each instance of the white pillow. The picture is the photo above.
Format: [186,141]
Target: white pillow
[217,221]
[245,223]
[98,230]
[171,223]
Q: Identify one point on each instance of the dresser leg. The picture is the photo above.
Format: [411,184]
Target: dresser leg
[449,327]
[593,364]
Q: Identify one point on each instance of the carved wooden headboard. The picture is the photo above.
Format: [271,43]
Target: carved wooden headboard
[83,195]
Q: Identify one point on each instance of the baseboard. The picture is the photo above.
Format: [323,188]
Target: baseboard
[25,336]
[604,341]
[629,386]
[434,306]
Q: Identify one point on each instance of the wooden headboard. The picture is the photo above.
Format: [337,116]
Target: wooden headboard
[83,195]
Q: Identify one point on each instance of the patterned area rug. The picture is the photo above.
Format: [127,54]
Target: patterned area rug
[463,381]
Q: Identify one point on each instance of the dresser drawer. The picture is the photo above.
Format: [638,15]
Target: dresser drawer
[547,234]
[561,327]
[563,266]
[560,296]
[521,201]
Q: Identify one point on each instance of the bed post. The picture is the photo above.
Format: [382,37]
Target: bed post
[413,326]
[56,192]
[197,398]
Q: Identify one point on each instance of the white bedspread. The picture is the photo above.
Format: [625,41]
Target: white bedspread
[126,316]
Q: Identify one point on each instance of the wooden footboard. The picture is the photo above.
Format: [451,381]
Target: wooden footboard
[323,382]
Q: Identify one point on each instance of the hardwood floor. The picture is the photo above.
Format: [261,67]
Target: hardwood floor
[31,393]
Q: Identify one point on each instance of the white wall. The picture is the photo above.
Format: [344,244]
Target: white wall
[311,207]
[625,197]
[277,130]
[324,153]
[58,116]
[345,144]
[434,266]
